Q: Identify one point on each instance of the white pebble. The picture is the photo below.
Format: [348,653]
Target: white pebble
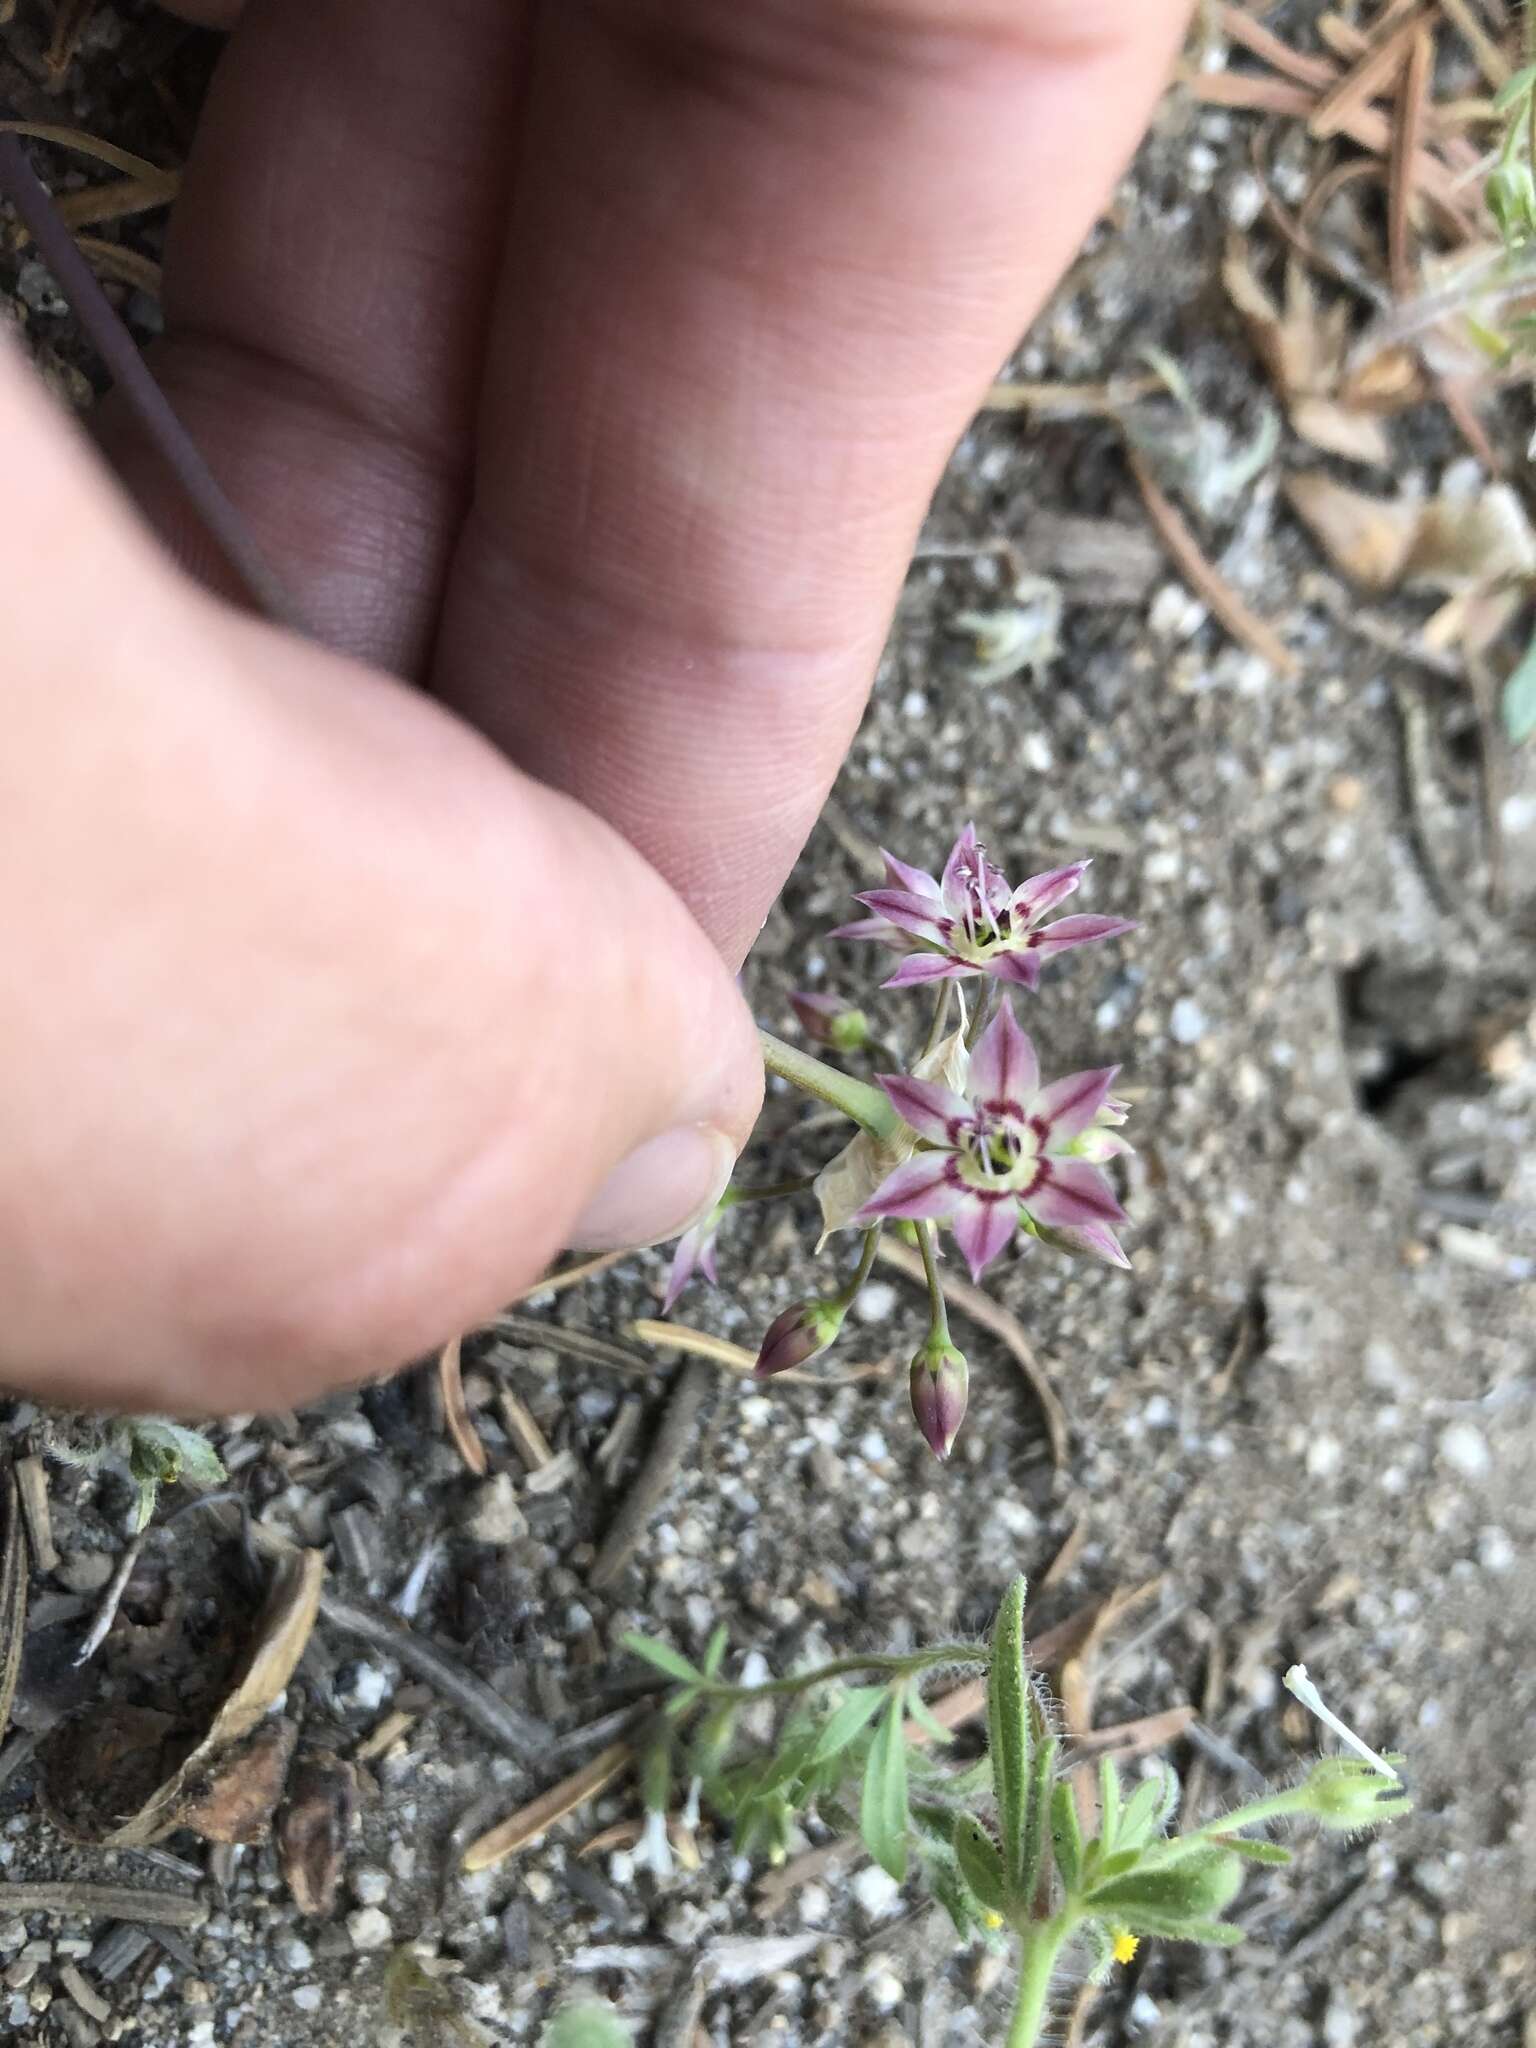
[369,1928]
[307,1997]
[294,1954]
[1187,1021]
[1465,1449]
[876,1891]
[1323,1455]
[876,1302]
[370,1887]
[368,1687]
[1495,1552]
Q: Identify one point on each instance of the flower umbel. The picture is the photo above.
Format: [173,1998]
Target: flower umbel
[1003,1153]
[971,921]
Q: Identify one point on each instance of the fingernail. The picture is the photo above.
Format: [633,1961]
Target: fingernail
[658,1191]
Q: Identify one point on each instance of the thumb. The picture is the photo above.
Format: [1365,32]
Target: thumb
[325,1027]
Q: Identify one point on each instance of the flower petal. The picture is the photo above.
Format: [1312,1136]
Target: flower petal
[879,928]
[982,1226]
[1003,1065]
[921,967]
[1093,1240]
[1067,932]
[919,1188]
[909,913]
[962,871]
[1032,899]
[1071,1193]
[928,1106]
[899,876]
[1023,968]
[1070,1105]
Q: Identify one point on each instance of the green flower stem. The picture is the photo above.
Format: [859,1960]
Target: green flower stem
[867,1106]
[940,1313]
[770,1191]
[850,1293]
[940,1013]
[1037,1965]
[844,1667]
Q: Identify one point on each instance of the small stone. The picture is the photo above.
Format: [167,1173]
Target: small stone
[876,1302]
[1495,1552]
[369,1929]
[87,1571]
[364,1686]
[307,1997]
[884,1989]
[1323,1455]
[1346,793]
[1465,1449]
[876,1892]
[294,1954]
[13,1935]
[813,1904]
[194,1991]
[494,1516]
[1187,1021]
[370,1887]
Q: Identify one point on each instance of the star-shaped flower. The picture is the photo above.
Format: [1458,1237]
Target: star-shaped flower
[1003,1154]
[970,921]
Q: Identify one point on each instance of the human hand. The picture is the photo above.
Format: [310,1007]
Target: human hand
[588,367]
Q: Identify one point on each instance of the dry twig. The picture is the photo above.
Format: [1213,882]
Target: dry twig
[673,1441]
[456,1416]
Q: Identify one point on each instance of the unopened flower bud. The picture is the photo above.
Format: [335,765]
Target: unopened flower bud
[938,1385]
[799,1335]
[828,1020]
[1101,1141]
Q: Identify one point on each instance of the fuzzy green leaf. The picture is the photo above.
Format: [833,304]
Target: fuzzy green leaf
[981,1863]
[662,1657]
[883,1807]
[1197,1887]
[1256,1851]
[918,1710]
[714,1654]
[1109,1806]
[1147,1808]
[1515,89]
[847,1722]
[1066,1835]
[1038,1821]
[1008,1729]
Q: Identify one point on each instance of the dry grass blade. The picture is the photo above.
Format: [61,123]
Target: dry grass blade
[70,18]
[1204,578]
[1366,79]
[104,1902]
[735,1358]
[521,1425]
[1070,401]
[1490,59]
[14,1575]
[1124,1740]
[1261,42]
[1407,130]
[661,1465]
[993,1318]
[117,201]
[456,1417]
[123,265]
[541,1814]
[32,1480]
[569,1276]
[108,153]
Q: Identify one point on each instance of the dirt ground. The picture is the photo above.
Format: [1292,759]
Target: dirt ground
[1307,1412]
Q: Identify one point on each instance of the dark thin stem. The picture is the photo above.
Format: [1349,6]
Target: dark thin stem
[845,1667]
[118,350]
[772,1191]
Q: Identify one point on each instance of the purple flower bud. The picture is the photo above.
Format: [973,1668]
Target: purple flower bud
[828,1020]
[797,1336]
[938,1387]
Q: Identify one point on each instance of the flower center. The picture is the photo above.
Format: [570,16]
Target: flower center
[997,1153]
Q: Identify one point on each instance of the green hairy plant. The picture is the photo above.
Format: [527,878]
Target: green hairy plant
[1010,1845]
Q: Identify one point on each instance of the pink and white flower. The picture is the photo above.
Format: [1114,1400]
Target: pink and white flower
[970,921]
[1003,1154]
[695,1254]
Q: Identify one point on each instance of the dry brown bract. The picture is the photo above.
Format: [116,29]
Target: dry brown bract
[1306,346]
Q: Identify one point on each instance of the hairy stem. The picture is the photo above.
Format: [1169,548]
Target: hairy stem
[844,1667]
[1037,1965]
[866,1106]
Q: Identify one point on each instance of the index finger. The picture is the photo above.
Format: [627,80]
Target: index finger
[761,264]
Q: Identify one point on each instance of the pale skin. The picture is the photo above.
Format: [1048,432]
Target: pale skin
[584,371]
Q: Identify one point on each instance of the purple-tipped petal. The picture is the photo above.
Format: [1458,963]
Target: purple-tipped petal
[1067,932]
[1070,1105]
[1021,968]
[1091,1240]
[962,871]
[914,914]
[797,1336]
[1072,1193]
[928,1106]
[918,1190]
[982,1227]
[915,880]
[922,967]
[878,928]
[707,1261]
[684,1261]
[1032,899]
[1004,1067]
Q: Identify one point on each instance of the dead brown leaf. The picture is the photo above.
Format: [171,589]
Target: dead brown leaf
[313,1828]
[1306,347]
[240,1794]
